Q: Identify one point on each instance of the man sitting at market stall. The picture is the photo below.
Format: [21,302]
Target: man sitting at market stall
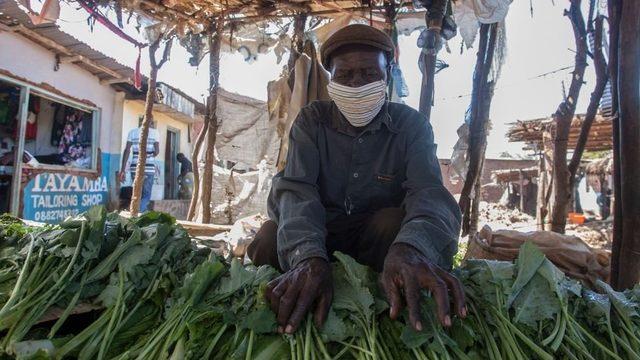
[361,177]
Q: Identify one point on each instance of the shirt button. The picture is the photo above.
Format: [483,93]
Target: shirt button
[355,175]
[361,140]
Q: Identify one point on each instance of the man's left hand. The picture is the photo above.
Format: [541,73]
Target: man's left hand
[406,272]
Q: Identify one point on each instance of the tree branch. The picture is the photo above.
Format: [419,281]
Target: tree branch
[600,65]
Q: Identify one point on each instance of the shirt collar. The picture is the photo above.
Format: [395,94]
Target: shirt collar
[341,124]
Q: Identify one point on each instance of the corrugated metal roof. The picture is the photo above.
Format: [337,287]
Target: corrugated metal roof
[15,18]
[104,67]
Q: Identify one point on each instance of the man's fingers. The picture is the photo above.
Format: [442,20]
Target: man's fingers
[440,293]
[393,295]
[287,303]
[412,296]
[322,307]
[455,286]
[306,298]
[272,297]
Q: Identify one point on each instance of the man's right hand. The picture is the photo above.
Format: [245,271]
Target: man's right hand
[122,176]
[292,294]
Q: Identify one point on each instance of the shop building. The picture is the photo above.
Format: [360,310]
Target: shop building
[65,111]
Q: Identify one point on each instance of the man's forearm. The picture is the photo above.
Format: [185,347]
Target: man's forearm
[125,158]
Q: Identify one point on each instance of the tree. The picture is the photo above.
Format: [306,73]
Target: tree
[148,119]
[563,117]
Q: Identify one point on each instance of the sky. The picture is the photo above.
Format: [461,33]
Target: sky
[536,45]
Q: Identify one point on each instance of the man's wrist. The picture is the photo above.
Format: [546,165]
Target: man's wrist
[306,254]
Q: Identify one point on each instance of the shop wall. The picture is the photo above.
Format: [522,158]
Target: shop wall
[133,109]
[30,61]
[52,197]
[49,197]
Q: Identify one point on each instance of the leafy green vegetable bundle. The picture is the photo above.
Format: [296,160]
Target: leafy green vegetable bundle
[161,298]
[126,268]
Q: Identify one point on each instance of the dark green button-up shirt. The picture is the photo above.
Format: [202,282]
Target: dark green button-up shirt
[335,169]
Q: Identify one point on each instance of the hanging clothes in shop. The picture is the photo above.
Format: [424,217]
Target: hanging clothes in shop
[86,135]
[31,130]
[59,120]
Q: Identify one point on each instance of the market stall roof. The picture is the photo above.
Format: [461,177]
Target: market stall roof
[602,166]
[202,12]
[530,132]
[512,175]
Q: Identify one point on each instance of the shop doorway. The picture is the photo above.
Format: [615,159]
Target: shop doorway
[171,164]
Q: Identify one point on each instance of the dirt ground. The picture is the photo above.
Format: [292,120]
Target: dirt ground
[597,234]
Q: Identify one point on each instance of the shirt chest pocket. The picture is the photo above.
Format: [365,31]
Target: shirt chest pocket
[386,189]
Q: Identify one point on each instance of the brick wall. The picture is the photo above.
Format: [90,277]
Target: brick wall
[454,183]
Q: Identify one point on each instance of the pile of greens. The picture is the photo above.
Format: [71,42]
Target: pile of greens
[12,229]
[162,298]
[124,267]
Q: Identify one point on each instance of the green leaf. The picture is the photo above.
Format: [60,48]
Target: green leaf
[33,349]
[261,321]
[270,347]
[535,302]
[109,295]
[413,339]
[238,278]
[349,285]
[462,334]
[334,328]
[154,217]
[134,256]
[199,281]
[624,306]
[529,260]
[96,217]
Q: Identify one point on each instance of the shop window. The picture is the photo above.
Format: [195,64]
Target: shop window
[59,134]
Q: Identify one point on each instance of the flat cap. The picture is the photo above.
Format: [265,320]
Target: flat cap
[356,34]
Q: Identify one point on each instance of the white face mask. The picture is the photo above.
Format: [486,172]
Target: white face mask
[359,105]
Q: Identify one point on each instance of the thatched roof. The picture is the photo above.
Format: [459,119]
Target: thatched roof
[530,132]
[196,15]
[512,175]
[602,166]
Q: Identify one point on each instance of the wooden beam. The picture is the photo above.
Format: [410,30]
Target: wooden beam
[118,80]
[70,59]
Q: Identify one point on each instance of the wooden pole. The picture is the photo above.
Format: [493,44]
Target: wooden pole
[614,8]
[138,180]
[480,106]
[521,180]
[562,118]
[546,180]
[212,118]
[195,160]
[628,258]
[600,65]
[433,18]
[542,185]
[297,46]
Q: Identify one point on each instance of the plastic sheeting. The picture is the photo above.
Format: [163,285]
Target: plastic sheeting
[245,134]
[570,253]
[469,14]
[235,195]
